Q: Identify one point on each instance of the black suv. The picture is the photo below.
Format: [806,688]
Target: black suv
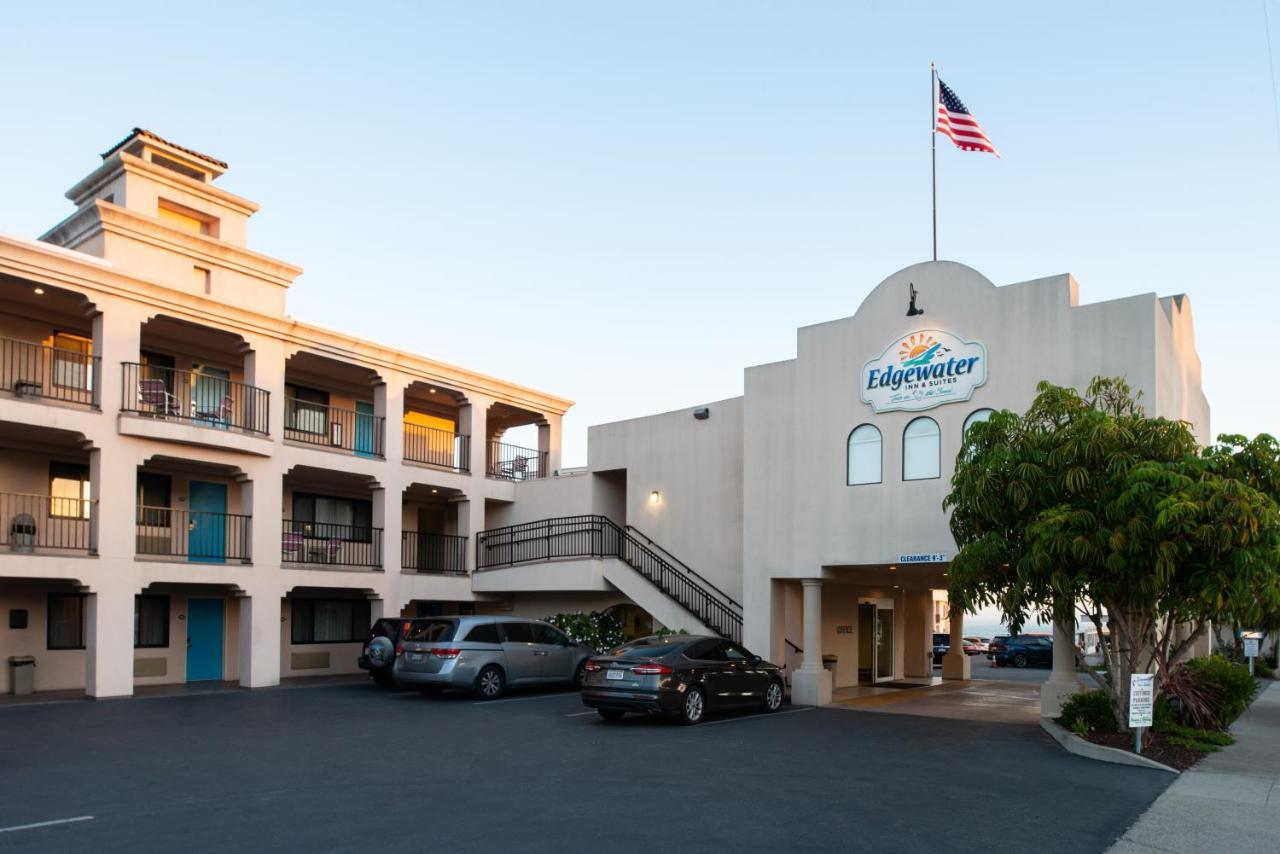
[1026,651]
[941,646]
[379,653]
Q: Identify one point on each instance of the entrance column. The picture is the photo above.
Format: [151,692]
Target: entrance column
[259,645]
[1062,683]
[955,664]
[811,684]
[109,639]
[917,634]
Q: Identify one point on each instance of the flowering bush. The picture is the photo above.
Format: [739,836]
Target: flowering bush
[596,630]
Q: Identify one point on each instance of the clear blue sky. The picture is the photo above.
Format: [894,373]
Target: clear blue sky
[628,203]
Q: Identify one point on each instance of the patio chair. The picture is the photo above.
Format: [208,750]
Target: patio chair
[291,544]
[221,413]
[154,396]
[335,549]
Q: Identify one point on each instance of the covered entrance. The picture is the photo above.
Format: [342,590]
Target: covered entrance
[875,641]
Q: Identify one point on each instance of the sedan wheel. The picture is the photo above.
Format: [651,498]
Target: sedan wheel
[1019,660]
[580,674]
[611,714]
[693,707]
[773,697]
[489,683]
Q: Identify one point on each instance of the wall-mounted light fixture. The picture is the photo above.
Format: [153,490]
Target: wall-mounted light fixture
[702,413]
[39,292]
[655,497]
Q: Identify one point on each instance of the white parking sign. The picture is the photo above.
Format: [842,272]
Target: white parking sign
[1250,647]
[1142,699]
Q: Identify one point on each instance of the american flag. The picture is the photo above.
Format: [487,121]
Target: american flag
[955,121]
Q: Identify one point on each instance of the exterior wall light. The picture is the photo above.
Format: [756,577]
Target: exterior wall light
[655,497]
[39,292]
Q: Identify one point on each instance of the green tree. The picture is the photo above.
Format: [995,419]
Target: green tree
[1085,502]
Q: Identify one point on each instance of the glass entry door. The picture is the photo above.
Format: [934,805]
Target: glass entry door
[884,643]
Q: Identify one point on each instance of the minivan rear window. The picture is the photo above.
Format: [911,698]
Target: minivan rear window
[431,631]
[483,633]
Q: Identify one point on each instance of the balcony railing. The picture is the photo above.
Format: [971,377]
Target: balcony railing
[331,544]
[37,371]
[203,399]
[442,553]
[435,447]
[510,462]
[30,524]
[359,433]
[195,536]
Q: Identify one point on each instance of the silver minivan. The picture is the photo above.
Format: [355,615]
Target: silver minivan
[486,655]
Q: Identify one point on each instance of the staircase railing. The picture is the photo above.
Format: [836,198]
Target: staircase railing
[599,536]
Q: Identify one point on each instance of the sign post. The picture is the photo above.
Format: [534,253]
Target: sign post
[1142,701]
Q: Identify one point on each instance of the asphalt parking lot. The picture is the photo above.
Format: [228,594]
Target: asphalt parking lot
[350,767]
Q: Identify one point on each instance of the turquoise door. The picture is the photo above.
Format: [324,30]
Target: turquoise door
[211,398]
[204,640]
[365,446]
[207,525]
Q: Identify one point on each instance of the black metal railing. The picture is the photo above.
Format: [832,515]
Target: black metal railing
[203,399]
[511,462]
[331,544]
[195,536]
[599,536]
[436,447]
[442,553]
[32,523]
[350,430]
[35,370]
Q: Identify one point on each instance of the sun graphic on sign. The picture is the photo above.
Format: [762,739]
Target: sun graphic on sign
[918,349]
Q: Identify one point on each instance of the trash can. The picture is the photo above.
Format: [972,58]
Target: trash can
[22,533]
[829,663]
[22,674]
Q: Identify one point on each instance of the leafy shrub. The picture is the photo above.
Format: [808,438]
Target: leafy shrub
[1261,668]
[1231,682]
[1190,698]
[1089,711]
[596,630]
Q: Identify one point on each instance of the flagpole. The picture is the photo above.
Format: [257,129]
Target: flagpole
[933,148]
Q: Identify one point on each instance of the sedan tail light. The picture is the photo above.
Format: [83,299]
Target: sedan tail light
[591,666]
[651,670]
[399,649]
[446,653]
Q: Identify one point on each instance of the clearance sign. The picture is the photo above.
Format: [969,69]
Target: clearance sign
[923,370]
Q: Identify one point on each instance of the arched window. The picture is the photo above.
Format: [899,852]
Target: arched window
[921,450]
[974,417]
[864,455]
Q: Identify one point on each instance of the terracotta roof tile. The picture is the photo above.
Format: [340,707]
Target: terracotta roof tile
[136,132]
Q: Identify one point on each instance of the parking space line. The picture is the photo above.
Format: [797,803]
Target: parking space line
[39,824]
[580,714]
[752,717]
[519,699]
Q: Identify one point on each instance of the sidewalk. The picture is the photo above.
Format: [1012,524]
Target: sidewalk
[1230,801]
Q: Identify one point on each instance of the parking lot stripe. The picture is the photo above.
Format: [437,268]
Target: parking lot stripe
[46,823]
[580,714]
[753,717]
[519,699]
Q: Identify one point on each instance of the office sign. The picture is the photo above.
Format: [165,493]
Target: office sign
[1142,699]
[922,370]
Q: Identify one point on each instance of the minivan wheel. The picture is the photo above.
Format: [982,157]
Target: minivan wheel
[611,714]
[383,679]
[693,707]
[489,683]
[1019,660]
[580,674]
[773,697]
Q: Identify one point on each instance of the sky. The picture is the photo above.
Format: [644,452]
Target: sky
[627,204]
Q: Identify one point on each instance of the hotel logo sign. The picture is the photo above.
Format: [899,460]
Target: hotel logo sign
[922,370]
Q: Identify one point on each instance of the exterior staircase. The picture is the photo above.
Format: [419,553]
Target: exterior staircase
[650,571]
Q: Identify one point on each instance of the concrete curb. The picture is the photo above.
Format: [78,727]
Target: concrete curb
[1073,743]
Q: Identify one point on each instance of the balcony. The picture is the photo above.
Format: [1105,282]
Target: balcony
[350,430]
[440,448]
[38,371]
[327,544]
[193,536]
[444,554]
[511,462]
[38,524]
[193,397]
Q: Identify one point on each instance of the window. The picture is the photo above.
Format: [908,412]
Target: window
[431,631]
[150,622]
[306,410]
[483,633]
[71,357]
[549,635]
[975,417]
[921,450]
[153,499]
[330,620]
[517,632]
[181,216]
[69,490]
[708,650]
[327,517]
[733,652]
[865,455]
[65,621]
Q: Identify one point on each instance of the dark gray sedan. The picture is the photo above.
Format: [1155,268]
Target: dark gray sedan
[683,676]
